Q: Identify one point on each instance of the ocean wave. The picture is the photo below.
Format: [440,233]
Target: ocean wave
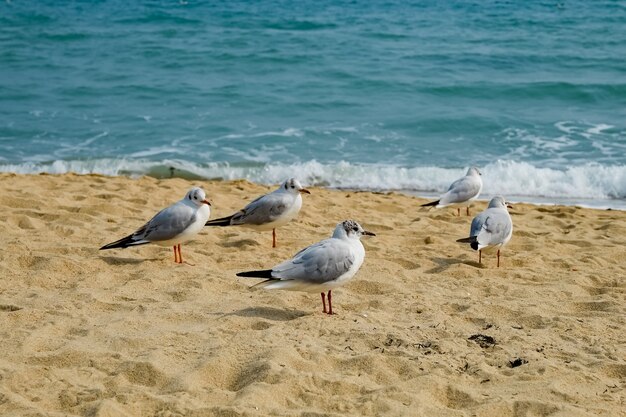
[588,181]
[569,91]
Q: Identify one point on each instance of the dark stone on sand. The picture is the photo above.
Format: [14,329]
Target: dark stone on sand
[517,362]
[483,341]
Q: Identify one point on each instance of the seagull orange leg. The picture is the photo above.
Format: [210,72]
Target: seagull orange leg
[480,255]
[273,238]
[498,258]
[458,211]
[180,255]
[330,304]
[467,210]
[324,302]
[175,255]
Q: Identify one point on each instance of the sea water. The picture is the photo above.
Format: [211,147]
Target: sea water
[382,95]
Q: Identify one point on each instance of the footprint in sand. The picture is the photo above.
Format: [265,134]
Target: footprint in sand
[261,325]
[244,243]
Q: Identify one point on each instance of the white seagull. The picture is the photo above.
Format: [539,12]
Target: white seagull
[171,226]
[491,229]
[461,192]
[322,266]
[268,211]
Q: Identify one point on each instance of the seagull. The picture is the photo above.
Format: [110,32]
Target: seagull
[268,211]
[171,226]
[491,229]
[322,266]
[461,192]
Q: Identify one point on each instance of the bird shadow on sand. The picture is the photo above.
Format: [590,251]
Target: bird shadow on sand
[270,313]
[114,260]
[445,263]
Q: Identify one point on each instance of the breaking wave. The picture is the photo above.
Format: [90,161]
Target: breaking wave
[589,181]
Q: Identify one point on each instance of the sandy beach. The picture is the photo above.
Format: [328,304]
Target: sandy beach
[423,329]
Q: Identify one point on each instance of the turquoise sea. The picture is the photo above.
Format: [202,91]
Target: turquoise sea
[385,95]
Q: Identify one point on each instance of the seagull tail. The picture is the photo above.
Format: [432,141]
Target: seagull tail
[124,243]
[265,273]
[269,282]
[472,240]
[431,204]
[224,221]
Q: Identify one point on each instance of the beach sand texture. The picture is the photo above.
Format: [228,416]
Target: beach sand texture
[421,330]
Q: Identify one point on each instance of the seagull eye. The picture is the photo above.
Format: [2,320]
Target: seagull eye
[356,229]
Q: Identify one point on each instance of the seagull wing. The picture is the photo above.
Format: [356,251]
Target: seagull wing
[317,264]
[461,190]
[264,209]
[166,224]
[495,228]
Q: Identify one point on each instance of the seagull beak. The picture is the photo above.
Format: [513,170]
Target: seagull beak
[304,191]
[366,233]
[206,202]
[509,205]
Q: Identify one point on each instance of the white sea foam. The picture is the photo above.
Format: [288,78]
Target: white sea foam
[157,150]
[510,178]
[588,181]
[289,132]
[598,129]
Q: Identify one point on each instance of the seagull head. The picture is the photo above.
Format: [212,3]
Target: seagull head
[293,186]
[473,171]
[351,230]
[499,202]
[196,196]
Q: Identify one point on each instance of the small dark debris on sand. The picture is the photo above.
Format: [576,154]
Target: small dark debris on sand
[483,341]
[517,362]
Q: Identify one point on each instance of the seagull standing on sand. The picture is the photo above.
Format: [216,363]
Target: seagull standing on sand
[322,266]
[461,192]
[491,229]
[171,226]
[268,211]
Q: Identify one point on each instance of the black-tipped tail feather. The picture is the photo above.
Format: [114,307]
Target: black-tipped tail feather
[431,204]
[265,273]
[124,243]
[472,240]
[224,221]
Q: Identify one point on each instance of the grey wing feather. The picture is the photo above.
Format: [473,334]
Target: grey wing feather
[494,228]
[461,190]
[264,209]
[477,223]
[166,224]
[456,183]
[322,262]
